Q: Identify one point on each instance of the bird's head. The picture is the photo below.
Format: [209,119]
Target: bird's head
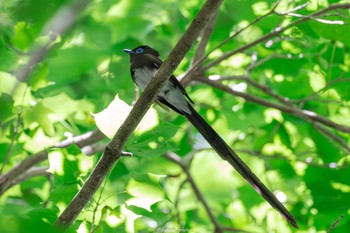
[141,50]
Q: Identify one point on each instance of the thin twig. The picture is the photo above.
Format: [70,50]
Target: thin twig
[256,20]
[13,139]
[338,22]
[98,203]
[177,159]
[177,200]
[294,9]
[335,223]
[315,94]
[308,161]
[332,136]
[204,39]
[277,31]
[268,58]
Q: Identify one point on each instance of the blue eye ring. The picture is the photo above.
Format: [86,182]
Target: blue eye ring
[139,50]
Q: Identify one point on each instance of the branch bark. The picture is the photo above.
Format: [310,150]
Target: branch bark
[276,32]
[61,22]
[10,176]
[114,148]
[304,114]
[217,227]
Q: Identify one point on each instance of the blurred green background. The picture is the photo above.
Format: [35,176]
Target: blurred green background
[84,68]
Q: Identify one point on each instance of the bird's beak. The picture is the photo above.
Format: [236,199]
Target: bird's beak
[129,51]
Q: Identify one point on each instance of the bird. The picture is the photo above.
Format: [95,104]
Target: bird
[144,64]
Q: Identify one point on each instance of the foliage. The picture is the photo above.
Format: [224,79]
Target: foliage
[282,103]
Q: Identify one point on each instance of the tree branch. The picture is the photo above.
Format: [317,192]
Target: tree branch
[266,89]
[61,22]
[177,159]
[15,131]
[308,161]
[304,114]
[335,223]
[8,178]
[332,136]
[81,140]
[199,61]
[277,31]
[114,148]
[285,101]
[33,171]
[200,51]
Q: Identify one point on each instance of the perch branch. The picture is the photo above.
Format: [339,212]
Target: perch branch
[114,149]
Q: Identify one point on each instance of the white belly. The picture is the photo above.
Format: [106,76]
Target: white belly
[169,92]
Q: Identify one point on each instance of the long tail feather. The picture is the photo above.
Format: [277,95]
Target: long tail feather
[226,153]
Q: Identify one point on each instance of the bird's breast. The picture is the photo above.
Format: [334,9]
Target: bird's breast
[142,76]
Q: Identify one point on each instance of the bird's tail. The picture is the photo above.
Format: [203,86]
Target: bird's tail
[226,153]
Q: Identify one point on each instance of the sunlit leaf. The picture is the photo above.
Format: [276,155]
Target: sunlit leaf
[110,119]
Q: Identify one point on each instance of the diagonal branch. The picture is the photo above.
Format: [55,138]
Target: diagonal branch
[200,51]
[114,148]
[60,23]
[8,178]
[199,61]
[283,100]
[32,172]
[218,228]
[266,89]
[205,39]
[277,31]
[15,131]
[81,140]
[332,136]
[304,114]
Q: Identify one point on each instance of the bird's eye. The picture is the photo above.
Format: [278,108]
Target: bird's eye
[139,50]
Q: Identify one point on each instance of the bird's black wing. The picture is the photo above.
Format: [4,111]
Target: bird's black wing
[157,63]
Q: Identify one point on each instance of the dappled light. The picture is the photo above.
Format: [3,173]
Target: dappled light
[270,86]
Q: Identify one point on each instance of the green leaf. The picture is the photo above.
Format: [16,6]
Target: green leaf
[20,92]
[144,194]
[23,37]
[39,115]
[325,148]
[45,214]
[333,31]
[64,193]
[152,143]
